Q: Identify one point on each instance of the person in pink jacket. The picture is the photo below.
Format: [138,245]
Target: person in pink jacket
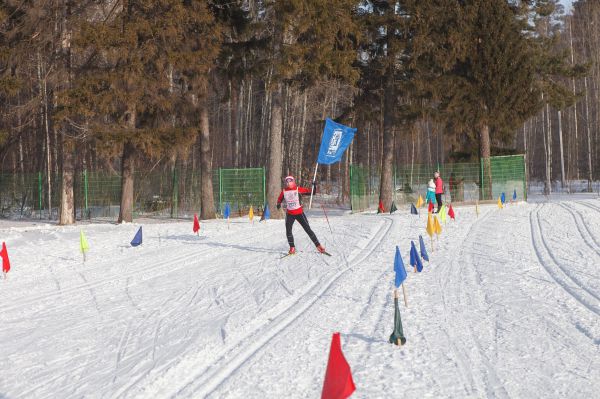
[439,190]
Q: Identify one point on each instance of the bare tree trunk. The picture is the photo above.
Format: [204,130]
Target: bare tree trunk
[562,157]
[548,189]
[576,144]
[127,174]
[385,185]
[44,113]
[207,197]
[486,162]
[589,138]
[275,153]
[302,132]
[67,208]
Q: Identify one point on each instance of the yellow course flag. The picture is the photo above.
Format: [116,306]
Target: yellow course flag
[443,214]
[420,201]
[437,226]
[477,208]
[251,213]
[430,228]
[499,203]
[83,242]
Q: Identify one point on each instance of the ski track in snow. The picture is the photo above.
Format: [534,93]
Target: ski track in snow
[509,306]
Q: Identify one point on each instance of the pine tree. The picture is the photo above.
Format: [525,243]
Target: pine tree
[389,79]
[312,40]
[139,67]
[494,84]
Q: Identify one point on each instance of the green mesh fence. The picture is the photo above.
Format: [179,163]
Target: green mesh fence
[508,176]
[461,182]
[364,188]
[168,193]
[240,188]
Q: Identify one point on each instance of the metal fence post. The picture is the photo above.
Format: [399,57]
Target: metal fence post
[220,190]
[85,193]
[175,194]
[40,192]
[524,177]
[264,186]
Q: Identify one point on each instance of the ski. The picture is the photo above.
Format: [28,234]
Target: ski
[285,256]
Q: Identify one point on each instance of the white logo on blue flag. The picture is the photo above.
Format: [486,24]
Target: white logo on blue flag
[335,141]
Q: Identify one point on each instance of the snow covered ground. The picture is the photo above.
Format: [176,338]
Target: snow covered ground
[509,306]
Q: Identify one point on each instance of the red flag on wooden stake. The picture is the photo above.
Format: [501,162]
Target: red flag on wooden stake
[380,209]
[338,377]
[196,224]
[451,212]
[5,260]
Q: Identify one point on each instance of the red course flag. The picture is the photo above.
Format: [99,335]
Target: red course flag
[451,212]
[381,209]
[5,261]
[430,209]
[338,377]
[196,224]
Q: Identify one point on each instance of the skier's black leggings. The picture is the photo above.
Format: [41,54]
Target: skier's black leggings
[301,218]
[438,198]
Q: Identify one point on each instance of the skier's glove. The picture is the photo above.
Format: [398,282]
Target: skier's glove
[278,206]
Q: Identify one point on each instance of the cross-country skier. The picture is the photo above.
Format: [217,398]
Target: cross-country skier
[291,194]
[439,190]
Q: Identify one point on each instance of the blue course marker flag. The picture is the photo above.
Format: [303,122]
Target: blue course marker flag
[515,195]
[227,211]
[266,214]
[415,259]
[137,240]
[503,197]
[413,210]
[399,268]
[424,254]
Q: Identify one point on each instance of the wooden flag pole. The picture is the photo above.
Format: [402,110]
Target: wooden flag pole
[404,293]
[312,188]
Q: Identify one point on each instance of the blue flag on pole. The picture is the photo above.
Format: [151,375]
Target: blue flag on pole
[413,210]
[266,214]
[423,249]
[399,268]
[415,259]
[137,240]
[503,197]
[227,211]
[336,138]
[515,195]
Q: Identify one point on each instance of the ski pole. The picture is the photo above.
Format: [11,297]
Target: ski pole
[326,218]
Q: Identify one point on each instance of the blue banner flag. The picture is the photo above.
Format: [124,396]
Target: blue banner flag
[515,195]
[336,138]
[503,198]
[399,268]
